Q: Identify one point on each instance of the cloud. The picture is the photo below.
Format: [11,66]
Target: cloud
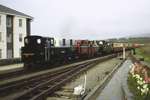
[86,18]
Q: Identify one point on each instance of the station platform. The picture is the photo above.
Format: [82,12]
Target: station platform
[114,89]
[5,68]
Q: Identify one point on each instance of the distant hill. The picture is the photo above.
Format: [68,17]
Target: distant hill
[140,35]
[144,40]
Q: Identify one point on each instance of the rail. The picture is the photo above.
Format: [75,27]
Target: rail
[38,87]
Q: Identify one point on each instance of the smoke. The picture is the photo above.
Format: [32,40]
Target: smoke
[67,27]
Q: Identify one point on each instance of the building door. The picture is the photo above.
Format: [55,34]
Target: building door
[9,32]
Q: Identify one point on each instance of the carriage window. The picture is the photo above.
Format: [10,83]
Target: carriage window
[52,42]
[64,42]
[26,41]
[71,42]
[38,41]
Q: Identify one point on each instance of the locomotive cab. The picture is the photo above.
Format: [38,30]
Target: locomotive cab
[35,49]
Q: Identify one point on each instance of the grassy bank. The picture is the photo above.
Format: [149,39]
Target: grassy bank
[137,87]
[144,52]
[139,76]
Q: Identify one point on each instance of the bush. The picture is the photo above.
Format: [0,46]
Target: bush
[138,87]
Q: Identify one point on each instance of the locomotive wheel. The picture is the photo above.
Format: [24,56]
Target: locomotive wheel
[28,66]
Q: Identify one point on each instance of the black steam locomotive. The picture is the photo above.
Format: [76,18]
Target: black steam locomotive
[43,50]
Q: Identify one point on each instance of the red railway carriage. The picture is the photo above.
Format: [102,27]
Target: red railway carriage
[81,47]
[86,48]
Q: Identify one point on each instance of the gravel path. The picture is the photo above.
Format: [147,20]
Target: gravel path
[113,90]
[94,76]
[10,67]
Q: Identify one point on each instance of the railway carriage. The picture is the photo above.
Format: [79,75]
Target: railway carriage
[104,47]
[81,47]
[86,48]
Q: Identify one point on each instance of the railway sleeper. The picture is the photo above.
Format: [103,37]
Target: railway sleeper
[51,87]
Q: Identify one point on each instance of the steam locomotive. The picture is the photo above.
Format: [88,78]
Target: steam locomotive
[46,50]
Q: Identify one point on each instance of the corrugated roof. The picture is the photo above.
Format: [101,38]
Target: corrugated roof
[10,11]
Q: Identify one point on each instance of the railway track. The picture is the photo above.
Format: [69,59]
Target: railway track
[39,86]
[23,71]
[12,73]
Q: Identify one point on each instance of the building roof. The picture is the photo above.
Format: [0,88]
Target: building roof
[10,11]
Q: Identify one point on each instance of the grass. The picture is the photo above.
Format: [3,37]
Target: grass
[144,52]
[133,88]
[132,84]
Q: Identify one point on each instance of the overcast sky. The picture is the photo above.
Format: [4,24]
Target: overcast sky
[87,19]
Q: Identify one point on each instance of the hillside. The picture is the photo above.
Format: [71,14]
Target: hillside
[144,40]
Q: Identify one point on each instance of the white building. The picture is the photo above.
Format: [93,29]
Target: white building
[14,26]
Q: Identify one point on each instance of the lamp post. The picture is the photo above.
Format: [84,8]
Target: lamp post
[124,51]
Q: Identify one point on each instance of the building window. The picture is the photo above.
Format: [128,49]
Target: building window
[9,38]
[9,22]
[9,53]
[0,53]
[0,20]
[20,22]
[0,36]
[20,37]
[20,52]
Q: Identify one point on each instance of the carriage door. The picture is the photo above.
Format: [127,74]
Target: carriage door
[48,49]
